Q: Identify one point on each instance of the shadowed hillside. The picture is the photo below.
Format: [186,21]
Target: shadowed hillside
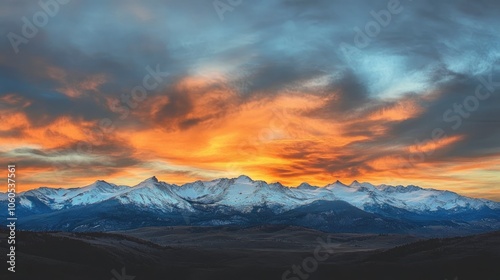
[217,253]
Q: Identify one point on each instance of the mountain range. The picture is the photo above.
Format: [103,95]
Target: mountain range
[337,207]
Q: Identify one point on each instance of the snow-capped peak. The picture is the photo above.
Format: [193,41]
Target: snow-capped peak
[336,185]
[306,186]
[149,180]
[243,179]
[243,193]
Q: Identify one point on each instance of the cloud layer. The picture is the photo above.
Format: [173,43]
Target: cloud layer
[381,91]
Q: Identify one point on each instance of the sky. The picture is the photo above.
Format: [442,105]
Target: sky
[388,92]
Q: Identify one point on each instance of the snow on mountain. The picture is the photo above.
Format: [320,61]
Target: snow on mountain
[411,198]
[62,198]
[202,192]
[153,194]
[416,198]
[243,194]
[240,193]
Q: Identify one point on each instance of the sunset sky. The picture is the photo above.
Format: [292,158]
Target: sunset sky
[279,90]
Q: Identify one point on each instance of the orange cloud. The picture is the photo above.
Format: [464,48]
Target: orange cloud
[202,129]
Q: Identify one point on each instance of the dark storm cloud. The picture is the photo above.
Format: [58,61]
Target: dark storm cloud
[480,137]
[347,93]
